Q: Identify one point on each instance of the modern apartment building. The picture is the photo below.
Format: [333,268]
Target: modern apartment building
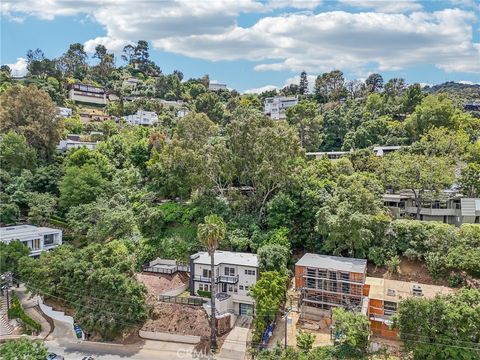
[449,207]
[37,239]
[325,282]
[384,296]
[87,94]
[146,118]
[234,274]
[217,86]
[275,107]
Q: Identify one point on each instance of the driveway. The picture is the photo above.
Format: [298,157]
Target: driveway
[235,344]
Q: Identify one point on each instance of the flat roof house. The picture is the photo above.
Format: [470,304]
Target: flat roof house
[448,207]
[384,296]
[87,94]
[217,86]
[275,107]
[37,239]
[145,118]
[234,274]
[325,282]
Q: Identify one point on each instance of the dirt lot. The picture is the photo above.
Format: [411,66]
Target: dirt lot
[180,319]
[156,284]
[409,271]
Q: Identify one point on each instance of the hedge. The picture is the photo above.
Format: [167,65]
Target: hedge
[16,312]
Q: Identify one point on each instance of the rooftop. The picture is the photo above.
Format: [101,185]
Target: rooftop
[226,257]
[395,290]
[333,262]
[21,232]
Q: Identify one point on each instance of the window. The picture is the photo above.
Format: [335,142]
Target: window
[332,275]
[36,244]
[333,287]
[345,288]
[229,271]
[249,272]
[246,288]
[48,239]
[207,273]
[230,288]
[240,287]
[344,276]
[311,272]
[417,290]
[310,283]
[322,273]
[389,307]
[391,292]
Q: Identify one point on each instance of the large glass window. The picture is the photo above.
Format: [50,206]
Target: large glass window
[229,271]
[207,273]
[49,239]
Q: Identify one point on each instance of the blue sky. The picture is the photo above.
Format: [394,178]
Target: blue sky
[252,44]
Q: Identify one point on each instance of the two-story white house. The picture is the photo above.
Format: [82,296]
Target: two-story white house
[234,274]
[275,107]
[146,118]
[37,239]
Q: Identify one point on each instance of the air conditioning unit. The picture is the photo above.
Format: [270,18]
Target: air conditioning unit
[417,290]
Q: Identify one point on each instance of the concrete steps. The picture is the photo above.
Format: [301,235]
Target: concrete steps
[5,327]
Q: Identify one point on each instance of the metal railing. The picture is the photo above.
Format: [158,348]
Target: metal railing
[182,300]
[167,269]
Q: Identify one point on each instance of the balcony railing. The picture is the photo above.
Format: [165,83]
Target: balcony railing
[227,279]
[218,279]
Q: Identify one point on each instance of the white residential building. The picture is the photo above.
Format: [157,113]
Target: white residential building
[146,118]
[87,94]
[275,106]
[216,86]
[74,141]
[234,274]
[64,111]
[37,239]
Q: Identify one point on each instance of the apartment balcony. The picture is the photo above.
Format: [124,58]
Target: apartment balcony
[433,211]
[219,279]
[227,279]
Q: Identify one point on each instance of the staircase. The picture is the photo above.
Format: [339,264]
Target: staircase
[5,327]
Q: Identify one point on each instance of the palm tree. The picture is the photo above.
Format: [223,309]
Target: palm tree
[210,233]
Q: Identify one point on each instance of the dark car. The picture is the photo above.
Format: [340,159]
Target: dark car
[88,358]
[53,356]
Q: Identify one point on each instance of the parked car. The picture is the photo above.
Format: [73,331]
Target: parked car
[53,356]
[88,358]
[78,330]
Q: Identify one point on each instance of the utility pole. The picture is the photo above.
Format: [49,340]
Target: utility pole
[286,326]
[7,277]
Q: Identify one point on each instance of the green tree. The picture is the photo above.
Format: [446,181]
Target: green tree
[269,293]
[445,327]
[210,234]
[412,97]
[273,257]
[30,112]
[304,116]
[41,207]
[305,341]
[74,62]
[303,86]
[353,215]
[11,254]
[374,82]
[210,104]
[351,330]
[418,173]
[96,281]
[15,153]
[81,185]
[23,349]
[330,86]
[470,180]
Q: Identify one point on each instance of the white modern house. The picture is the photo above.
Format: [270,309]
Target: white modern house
[64,111]
[217,86]
[87,94]
[146,118]
[275,107]
[234,274]
[37,239]
[74,141]
[449,207]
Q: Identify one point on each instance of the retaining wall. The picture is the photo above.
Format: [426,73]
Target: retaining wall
[164,336]
[56,315]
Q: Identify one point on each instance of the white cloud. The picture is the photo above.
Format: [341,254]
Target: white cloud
[261,89]
[468,82]
[296,41]
[385,6]
[110,44]
[19,68]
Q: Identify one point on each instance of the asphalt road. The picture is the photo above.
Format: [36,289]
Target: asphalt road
[149,349]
